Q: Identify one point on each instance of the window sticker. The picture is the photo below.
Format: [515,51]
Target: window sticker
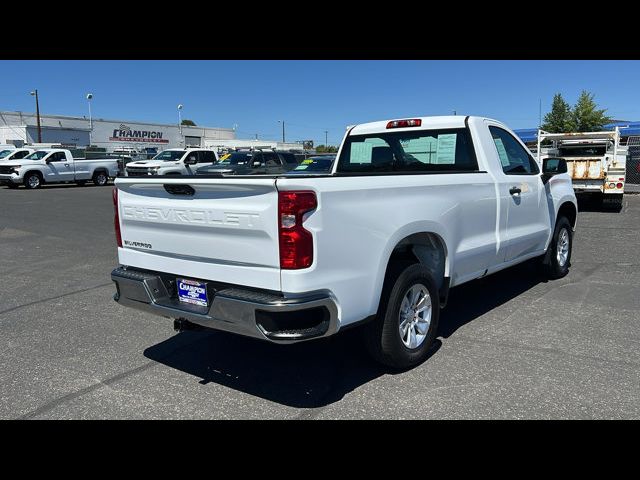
[361,152]
[423,149]
[502,152]
[446,149]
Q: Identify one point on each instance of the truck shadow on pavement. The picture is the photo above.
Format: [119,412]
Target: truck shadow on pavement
[318,373]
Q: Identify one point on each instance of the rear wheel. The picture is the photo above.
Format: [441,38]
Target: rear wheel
[407,320]
[100,179]
[32,180]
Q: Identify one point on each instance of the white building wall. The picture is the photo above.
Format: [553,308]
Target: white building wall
[111,134]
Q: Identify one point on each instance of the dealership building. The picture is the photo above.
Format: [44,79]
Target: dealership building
[21,128]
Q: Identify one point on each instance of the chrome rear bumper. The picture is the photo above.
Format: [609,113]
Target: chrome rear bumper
[264,315]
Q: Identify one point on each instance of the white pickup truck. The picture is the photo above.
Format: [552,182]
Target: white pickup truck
[173,161]
[410,209]
[52,165]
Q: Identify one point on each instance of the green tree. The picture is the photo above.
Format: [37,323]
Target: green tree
[586,115]
[560,118]
[188,123]
[326,149]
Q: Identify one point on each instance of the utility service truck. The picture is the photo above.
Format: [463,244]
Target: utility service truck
[596,162]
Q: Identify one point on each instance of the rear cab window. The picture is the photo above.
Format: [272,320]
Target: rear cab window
[421,151]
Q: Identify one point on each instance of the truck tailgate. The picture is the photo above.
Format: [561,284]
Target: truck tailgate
[213,229]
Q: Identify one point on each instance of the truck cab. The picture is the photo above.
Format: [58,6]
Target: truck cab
[252,162]
[173,161]
[7,154]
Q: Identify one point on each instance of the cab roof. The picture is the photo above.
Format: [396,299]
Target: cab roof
[427,123]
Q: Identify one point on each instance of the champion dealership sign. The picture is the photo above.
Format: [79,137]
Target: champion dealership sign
[125,134]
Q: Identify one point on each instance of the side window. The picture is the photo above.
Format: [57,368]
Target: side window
[288,158]
[514,158]
[57,157]
[258,157]
[206,157]
[271,160]
[21,154]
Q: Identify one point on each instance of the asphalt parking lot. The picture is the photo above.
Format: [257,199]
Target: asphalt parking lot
[510,345]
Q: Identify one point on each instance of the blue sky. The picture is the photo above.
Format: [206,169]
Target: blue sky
[314,96]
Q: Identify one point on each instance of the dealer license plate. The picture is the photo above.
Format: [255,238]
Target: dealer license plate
[191,291]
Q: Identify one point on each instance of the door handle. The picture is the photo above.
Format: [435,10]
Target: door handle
[66,164]
[515,191]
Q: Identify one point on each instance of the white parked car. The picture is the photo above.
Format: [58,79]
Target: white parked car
[410,209]
[173,161]
[52,165]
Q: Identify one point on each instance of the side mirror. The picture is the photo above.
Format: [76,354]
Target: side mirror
[191,160]
[552,166]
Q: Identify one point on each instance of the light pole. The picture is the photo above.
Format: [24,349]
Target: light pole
[35,92]
[180,106]
[282,122]
[326,142]
[89,97]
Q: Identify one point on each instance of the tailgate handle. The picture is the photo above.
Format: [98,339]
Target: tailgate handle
[179,189]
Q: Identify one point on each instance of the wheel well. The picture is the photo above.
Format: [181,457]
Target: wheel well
[36,172]
[425,248]
[100,170]
[568,210]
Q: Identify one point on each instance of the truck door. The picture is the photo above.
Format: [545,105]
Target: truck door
[205,158]
[520,186]
[59,168]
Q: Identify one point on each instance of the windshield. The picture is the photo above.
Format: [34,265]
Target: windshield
[5,153]
[315,165]
[169,155]
[236,158]
[39,155]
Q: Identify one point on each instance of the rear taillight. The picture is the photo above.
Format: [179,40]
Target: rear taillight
[116,217]
[296,243]
[413,122]
[619,185]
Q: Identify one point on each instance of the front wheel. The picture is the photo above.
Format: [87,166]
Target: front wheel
[100,179]
[559,256]
[32,180]
[407,320]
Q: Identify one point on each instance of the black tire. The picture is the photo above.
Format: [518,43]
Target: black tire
[32,180]
[383,338]
[100,178]
[552,265]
